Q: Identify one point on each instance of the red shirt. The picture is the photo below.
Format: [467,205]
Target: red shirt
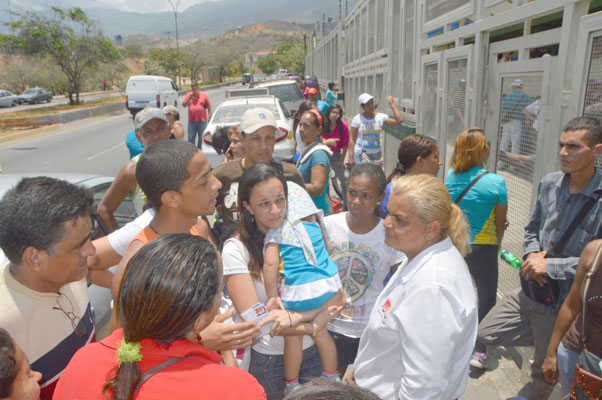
[198,377]
[197,107]
[344,138]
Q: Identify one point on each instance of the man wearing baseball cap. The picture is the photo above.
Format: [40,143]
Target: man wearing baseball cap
[258,130]
[314,97]
[512,118]
[150,126]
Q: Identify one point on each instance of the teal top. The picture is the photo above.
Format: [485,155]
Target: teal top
[319,157]
[330,97]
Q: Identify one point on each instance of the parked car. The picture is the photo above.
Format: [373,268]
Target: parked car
[7,99]
[230,112]
[286,90]
[150,91]
[247,78]
[35,96]
[100,298]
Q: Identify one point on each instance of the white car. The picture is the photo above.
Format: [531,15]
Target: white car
[7,99]
[229,113]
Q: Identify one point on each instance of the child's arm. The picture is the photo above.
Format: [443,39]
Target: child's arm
[271,262]
[228,358]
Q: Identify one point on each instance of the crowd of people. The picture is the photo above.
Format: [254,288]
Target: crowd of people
[280,294]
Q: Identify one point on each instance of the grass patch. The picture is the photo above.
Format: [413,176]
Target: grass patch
[63,107]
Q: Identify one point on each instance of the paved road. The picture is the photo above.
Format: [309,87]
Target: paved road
[58,100]
[94,146]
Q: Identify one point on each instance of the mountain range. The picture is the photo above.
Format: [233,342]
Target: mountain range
[207,19]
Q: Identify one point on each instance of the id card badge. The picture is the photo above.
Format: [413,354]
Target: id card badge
[257,313]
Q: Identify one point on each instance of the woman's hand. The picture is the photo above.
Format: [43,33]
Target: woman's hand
[550,369]
[275,303]
[349,164]
[390,100]
[220,336]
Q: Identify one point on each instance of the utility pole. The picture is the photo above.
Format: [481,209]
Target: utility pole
[168,38]
[175,15]
[340,10]
[346,4]
[323,23]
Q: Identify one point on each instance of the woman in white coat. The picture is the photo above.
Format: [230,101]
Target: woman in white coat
[421,332]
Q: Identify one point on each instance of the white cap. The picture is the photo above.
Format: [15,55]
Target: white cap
[257,118]
[144,116]
[364,98]
[517,83]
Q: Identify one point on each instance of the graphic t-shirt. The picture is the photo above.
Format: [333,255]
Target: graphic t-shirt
[364,261]
[478,204]
[368,133]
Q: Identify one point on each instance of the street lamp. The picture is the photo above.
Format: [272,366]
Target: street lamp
[175,15]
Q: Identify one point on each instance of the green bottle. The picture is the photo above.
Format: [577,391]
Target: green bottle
[510,258]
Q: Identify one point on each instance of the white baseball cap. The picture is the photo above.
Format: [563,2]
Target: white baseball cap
[517,83]
[257,118]
[364,98]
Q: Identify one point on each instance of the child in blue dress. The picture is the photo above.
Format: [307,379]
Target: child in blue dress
[310,279]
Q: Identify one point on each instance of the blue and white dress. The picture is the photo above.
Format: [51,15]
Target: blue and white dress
[310,276]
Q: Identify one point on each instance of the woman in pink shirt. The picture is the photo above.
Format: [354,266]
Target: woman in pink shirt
[336,136]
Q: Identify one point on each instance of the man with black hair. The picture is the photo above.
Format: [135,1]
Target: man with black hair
[151,125]
[258,131]
[566,217]
[45,228]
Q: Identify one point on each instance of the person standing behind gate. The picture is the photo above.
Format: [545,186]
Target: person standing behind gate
[522,319]
[484,204]
[368,125]
[199,112]
[513,117]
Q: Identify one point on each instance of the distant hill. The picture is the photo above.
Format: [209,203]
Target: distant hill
[204,20]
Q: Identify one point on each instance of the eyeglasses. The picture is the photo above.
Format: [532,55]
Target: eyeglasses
[66,306]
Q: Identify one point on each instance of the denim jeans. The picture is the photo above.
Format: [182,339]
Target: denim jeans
[269,370]
[195,129]
[567,363]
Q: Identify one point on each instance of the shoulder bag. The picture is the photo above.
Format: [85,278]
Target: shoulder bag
[146,376]
[587,382]
[470,185]
[549,293]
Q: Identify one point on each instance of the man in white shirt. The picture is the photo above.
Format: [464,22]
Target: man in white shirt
[45,229]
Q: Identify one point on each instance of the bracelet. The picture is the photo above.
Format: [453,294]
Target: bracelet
[289,318]
[314,330]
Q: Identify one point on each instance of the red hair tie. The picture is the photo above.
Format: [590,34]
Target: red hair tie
[317,114]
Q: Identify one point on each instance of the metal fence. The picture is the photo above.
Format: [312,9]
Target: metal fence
[518,68]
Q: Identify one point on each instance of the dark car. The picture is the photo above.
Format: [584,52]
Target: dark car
[247,78]
[35,96]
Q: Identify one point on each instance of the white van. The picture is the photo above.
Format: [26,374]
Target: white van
[150,91]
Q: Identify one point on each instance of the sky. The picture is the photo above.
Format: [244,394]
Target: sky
[143,6]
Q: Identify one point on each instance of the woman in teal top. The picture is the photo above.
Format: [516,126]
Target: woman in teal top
[314,161]
[485,205]
[331,93]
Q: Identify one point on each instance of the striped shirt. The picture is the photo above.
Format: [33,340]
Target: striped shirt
[554,210]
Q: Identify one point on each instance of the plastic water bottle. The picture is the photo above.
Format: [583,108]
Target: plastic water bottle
[510,258]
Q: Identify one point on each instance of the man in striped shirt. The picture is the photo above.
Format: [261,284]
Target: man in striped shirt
[518,320]
[45,231]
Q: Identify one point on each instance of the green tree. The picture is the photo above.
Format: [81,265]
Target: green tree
[134,50]
[69,39]
[267,64]
[291,56]
[168,59]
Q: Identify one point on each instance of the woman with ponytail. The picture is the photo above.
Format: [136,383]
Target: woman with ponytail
[417,154]
[421,332]
[169,293]
[485,205]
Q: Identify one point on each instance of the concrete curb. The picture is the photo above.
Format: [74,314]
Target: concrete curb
[64,117]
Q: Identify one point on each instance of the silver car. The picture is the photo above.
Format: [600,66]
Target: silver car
[7,99]
[100,298]
[229,113]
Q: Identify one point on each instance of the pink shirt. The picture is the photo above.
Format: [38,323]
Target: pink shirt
[197,107]
[336,135]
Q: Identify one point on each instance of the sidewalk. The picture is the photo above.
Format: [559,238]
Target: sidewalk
[504,377]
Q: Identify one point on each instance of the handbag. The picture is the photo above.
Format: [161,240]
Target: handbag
[587,382]
[548,294]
